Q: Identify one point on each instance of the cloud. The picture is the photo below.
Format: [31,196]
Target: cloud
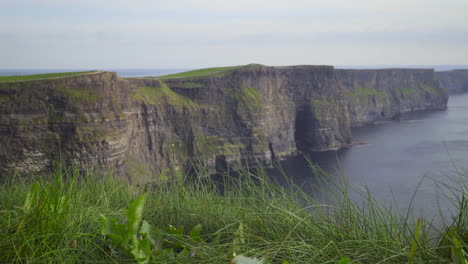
[236,16]
[183,31]
[253,5]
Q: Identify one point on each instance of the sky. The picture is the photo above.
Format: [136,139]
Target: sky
[113,34]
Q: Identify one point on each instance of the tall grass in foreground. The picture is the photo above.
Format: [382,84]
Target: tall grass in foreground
[57,220]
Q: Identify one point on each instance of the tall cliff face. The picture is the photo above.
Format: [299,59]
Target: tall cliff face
[455,81]
[75,118]
[239,117]
[382,94]
[232,118]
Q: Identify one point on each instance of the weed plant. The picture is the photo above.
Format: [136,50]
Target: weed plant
[58,218]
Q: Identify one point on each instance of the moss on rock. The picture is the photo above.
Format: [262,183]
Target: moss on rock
[81,95]
[161,95]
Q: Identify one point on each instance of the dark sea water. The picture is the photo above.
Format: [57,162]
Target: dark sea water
[397,156]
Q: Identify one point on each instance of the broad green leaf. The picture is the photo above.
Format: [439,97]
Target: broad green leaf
[174,230]
[146,231]
[246,260]
[138,252]
[146,228]
[116,232]
[134,215]
[105,225]
[139,255]
[146,246]
[119,236]
[344,260]
[195,232]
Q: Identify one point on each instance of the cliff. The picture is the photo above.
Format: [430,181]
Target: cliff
[235,117]
[455,81]
[374,95]
[78,119]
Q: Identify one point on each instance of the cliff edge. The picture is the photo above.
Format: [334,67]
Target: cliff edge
[229,117]
[454,81]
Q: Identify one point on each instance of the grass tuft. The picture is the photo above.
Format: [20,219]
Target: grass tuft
[56,219]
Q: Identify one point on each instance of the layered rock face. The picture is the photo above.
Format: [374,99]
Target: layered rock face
[245,116]
[382,94]
[455,81]
[78,119]
[150,127]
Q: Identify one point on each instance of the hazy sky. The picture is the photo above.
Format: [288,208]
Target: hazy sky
[200,33]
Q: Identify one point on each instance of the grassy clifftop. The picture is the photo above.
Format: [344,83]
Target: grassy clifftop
[41,76]
[198,72]
[267,110]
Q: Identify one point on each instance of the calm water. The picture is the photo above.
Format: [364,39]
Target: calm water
[398,154]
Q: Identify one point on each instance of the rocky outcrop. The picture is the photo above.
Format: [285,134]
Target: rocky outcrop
[78,119]
[374,95]
[248,115]
[455,81]
[150,127]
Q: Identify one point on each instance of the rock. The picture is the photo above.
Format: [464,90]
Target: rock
[374,95]
[159,128]
[455,81]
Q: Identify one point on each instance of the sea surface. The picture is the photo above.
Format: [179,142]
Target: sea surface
[401,159]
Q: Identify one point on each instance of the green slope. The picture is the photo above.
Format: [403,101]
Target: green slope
[39,76]
[199,72]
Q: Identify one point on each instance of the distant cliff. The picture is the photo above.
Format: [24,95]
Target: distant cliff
[235,117]
[455,81]
[382,94]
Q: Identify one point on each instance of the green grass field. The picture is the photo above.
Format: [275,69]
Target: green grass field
[73,217]
[199,72]
[39,76]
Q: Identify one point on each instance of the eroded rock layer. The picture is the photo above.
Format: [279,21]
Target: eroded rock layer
[374,95]
[455,81]
[150,127]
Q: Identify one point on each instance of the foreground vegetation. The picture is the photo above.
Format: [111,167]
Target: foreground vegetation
[76,217]
[39,76]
